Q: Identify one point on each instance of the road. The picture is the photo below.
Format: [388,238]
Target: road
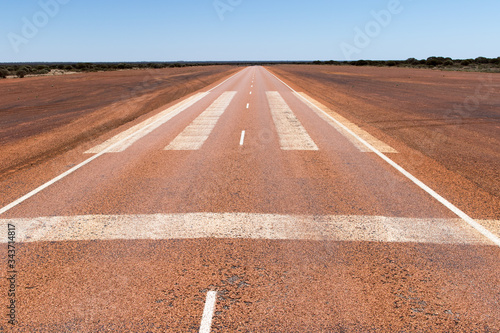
[246,208]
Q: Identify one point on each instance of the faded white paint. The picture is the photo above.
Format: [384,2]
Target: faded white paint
[244,225]
[292,135]
[194,136]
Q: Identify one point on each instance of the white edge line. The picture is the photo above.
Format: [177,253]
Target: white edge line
[87,161]
[485,232]
[208,312]
[242,140]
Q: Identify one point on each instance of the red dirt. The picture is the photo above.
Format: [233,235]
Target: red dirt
[446,125]
[41,117]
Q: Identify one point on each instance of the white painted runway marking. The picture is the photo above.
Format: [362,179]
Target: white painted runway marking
[244,226]
[208,312]
[242,140]
[125,139]
[469,220]
[250,92]
[87,161]
[292,134]
[248,105]
[194,136]
[314,105]
[139,131]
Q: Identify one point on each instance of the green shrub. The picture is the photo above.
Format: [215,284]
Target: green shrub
[391,63]
[465,63]
[448,63]
[21,73]
[3,73]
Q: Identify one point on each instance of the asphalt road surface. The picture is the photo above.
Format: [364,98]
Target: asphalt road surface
[245,208]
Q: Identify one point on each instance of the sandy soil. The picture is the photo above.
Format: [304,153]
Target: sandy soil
[446,125]
[41,117]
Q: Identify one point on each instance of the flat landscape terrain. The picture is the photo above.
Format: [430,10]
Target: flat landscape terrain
[446,124]
[41,117]
[253,199]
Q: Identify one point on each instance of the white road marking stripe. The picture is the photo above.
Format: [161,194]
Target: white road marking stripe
[292,134]
[75,168]
[469,220]
[250,92]
[194,136]
[208,312]
[244,226]
[139,131]
[242,140]
[248,105]
[314,105]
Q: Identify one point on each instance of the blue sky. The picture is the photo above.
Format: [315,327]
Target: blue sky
[217,30]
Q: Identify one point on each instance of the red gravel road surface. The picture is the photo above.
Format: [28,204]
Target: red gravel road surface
[251,193]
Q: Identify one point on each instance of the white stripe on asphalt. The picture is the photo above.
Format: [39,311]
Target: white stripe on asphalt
[139,131]
[315,105]
[84,163]
[194,136]
[469,220]
[242,140]
[292,134]
[208,312]
[244,225]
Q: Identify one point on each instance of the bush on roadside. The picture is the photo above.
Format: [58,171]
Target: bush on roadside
[361,63]
[3,73]
[21,73]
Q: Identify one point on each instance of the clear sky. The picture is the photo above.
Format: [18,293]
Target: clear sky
[208,30]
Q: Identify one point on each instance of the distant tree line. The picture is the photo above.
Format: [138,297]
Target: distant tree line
[431,62]
[23,69]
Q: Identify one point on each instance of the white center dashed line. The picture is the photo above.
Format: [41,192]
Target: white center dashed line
[208,312]
[248,105]
[242,140]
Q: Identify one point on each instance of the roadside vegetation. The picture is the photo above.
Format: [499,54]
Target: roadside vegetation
[480,64]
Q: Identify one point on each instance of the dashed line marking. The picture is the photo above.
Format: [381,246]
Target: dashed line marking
[194,136]
[242,139]
[208,312]
[248,105]
[250,92]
